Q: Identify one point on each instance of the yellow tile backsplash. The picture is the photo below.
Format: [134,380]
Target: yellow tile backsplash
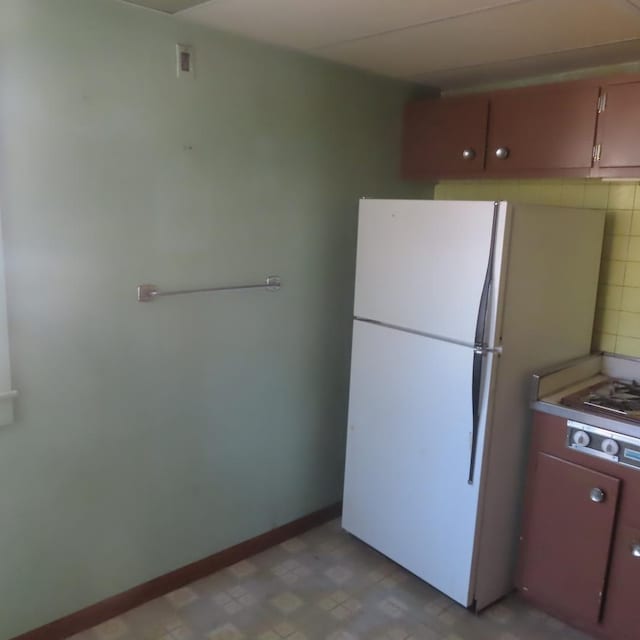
[634,249]
[629,346]
[619,222]
[635,218]
[610,296]
[621,196]
[615,247]
[630,276]
[617,321]
[617,272]
[628,325]
[630,300]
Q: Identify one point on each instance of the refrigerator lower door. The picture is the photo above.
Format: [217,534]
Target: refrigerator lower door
[407,492]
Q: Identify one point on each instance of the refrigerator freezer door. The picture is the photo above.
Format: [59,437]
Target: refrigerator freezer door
[408,445]
[422,264]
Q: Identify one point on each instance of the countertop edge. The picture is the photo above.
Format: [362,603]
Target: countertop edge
[595,420]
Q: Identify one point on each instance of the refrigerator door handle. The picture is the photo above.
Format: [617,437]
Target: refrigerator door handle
[478,356]
[480,350]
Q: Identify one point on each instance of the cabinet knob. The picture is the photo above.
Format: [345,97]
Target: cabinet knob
[502,152]
[597,495]
[469,154]
[635,549]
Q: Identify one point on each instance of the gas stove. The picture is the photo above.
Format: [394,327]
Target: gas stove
[599,398]
[613,398]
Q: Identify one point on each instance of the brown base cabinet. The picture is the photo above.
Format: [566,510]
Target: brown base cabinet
[564,570]
[580,543]
[622,604]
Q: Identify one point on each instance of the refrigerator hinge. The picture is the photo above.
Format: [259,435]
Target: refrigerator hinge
[597,152]
[602,102]
[482,349]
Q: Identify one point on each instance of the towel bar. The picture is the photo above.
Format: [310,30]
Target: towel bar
[147,292]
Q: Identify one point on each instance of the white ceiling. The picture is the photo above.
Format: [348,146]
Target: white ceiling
[444,43]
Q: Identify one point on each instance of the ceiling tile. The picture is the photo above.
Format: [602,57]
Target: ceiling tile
[168,6]
[515,31]
[309,24]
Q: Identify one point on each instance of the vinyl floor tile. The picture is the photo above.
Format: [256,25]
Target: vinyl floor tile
[323,585]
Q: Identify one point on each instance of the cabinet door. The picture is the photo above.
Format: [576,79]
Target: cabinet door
[547,130]
[621,611]
[438,132]
[566,538]
[619,127]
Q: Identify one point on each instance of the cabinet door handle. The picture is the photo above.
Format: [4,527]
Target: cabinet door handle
[469,154]
[502,153]
[635,549]
[597,495]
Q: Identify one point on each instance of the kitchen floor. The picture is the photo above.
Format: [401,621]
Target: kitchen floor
[323,585]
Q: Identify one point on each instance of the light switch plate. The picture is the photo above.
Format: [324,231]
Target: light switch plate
[184,61]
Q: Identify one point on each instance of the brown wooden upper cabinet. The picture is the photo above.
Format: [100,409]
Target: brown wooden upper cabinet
[618,137]
[445,138]
[542,130]
[581,128]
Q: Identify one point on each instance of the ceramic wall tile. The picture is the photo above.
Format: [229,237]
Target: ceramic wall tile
[621,196]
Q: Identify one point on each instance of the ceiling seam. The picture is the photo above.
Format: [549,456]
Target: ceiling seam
[131,3]
[200,4]
[417,76]
[633,5]
[418,25]
[137,3]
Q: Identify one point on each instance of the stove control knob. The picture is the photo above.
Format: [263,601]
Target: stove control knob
[581,438]
[610,447]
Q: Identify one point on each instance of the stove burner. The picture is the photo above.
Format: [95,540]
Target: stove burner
[620,397]
[631,388]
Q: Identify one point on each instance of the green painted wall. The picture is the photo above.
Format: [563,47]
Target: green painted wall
[148,436]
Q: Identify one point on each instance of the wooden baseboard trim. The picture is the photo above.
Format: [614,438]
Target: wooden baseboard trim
[134,597]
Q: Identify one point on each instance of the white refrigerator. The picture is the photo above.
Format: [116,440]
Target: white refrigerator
[456,305]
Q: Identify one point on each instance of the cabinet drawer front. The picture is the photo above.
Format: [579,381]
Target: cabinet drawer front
[566,538]
[621,609]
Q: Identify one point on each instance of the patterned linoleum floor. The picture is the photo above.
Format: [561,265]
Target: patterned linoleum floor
[324,585]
